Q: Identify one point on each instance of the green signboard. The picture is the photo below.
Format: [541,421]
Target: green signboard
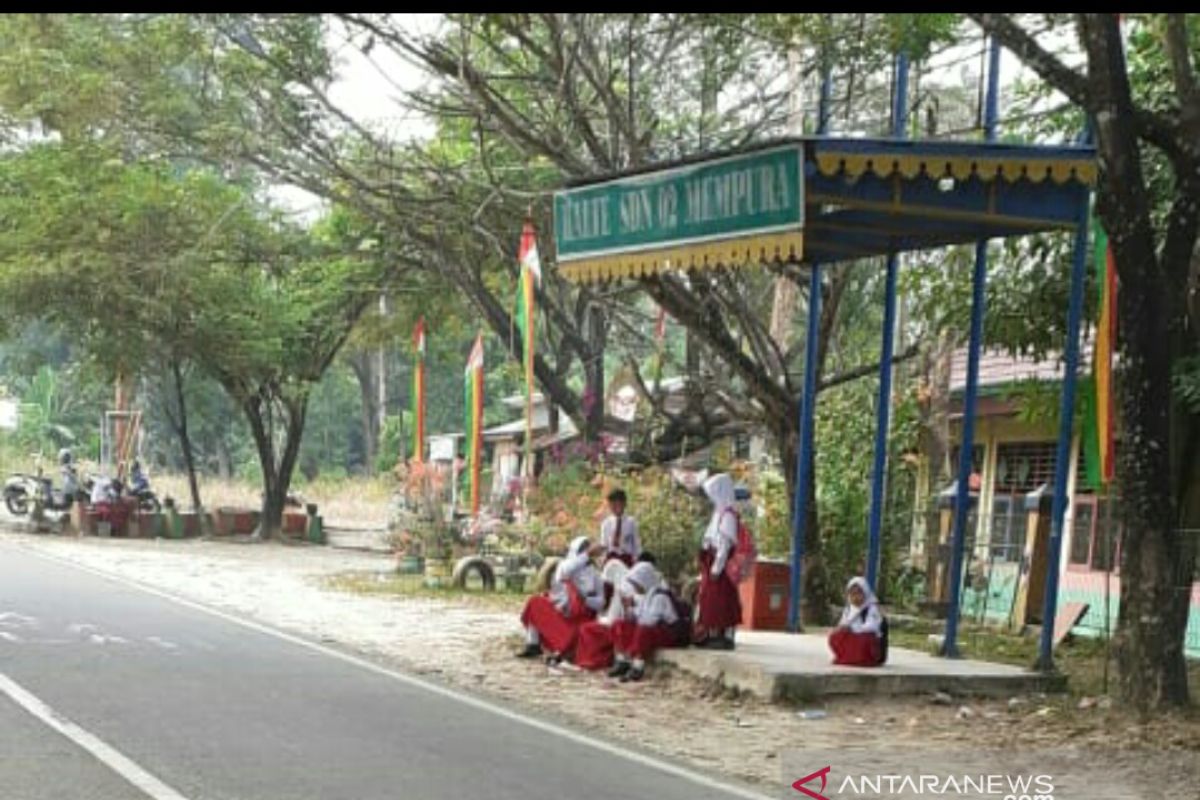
[751,194]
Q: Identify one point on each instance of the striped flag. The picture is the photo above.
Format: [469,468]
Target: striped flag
[473,397]
[530,278]
[418,391]
[1099,453]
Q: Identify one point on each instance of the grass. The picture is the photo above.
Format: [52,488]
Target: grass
[352,502]
[1080,658]
[394,584]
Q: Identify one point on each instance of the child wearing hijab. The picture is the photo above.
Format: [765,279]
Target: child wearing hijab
[552,620]
[720,605]
[648,628]
[860,637]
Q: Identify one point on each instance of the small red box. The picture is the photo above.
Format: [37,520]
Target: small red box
[765,596]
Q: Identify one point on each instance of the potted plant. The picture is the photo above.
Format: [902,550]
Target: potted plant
[437,539]
[430,527]
[407,547]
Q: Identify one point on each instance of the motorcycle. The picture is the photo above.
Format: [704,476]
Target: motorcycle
[139,489]
[146,498]
[22,489]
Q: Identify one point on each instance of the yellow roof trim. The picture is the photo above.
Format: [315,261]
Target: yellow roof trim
[744,251]
[1011,170]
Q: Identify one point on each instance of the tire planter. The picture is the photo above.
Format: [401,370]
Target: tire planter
[480,566]
[546,574]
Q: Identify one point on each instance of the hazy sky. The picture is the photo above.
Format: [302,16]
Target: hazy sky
[368,87]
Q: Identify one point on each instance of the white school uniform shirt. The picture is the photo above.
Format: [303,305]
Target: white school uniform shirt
[577,568]
[722,532]
[853,616]
[102,491]
[630,543]
[653,606]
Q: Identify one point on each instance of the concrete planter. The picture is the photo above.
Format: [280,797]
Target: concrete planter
[236,521]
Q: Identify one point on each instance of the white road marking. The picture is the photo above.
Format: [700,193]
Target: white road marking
[11,619]
[109,756]
[443,691]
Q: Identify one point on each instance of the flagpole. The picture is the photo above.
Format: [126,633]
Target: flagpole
[1108,559]
[528,278]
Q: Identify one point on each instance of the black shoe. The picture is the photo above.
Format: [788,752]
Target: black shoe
[619,669]
[634,674]
[714,643]
[725,643]
[553,660]
[530,651]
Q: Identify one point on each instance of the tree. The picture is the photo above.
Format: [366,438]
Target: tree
[1147,136]
[524,103]
[142,264]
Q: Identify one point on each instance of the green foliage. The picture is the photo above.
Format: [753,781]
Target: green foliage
[774,530]
[333,435]
[1186,383]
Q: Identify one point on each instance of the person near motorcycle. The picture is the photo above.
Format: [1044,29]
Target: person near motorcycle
[70,476]
[105,491]
[108,504]
[138,482]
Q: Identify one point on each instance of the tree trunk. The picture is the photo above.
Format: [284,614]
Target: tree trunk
[224,459]
[783,311]
[1150,636]
[368,389]
[814,591]
[597,334]
[185,439]
[934,431]
[277,469]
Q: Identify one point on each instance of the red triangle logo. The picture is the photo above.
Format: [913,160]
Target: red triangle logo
[799,786]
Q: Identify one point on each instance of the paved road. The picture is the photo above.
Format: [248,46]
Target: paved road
[213,709]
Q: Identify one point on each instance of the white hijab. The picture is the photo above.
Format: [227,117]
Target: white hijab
[720,491]
[644,576]
[577,567]
[852,612]
[575,559]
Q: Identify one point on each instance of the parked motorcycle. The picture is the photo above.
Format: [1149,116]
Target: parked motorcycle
[139,488]
[147,500]
[22,489]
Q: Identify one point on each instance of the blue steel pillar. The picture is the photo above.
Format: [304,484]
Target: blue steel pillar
[1062,457]
[808,400]
[967,441]
[884,403]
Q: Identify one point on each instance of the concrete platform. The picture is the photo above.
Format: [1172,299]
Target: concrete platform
[782,666]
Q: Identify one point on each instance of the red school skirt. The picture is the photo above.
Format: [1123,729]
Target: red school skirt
[641,641]
[624,558]
[558,632]
[720,605]
[594,647]
[855,649]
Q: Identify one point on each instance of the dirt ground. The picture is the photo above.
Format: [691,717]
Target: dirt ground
[470,643]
